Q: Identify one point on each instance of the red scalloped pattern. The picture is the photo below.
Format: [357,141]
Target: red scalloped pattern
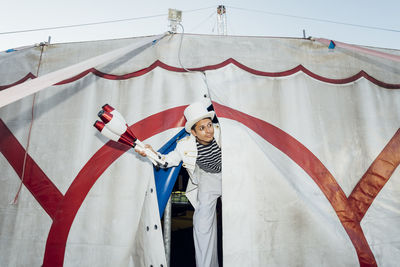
[160,64]
[28,76]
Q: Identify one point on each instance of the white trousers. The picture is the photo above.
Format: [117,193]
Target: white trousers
[205,219]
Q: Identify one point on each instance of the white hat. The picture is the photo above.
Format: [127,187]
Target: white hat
[196,112]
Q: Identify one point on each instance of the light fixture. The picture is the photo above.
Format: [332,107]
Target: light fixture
[174,17]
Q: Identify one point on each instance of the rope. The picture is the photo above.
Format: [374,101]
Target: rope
[315,19]
[180,48]
[202,22]
[101,22]
[180,62]
[15,201]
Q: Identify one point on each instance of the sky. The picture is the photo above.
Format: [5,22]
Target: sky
[284,18]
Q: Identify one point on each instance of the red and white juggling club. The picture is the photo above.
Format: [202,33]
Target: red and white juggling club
[115,123]
[112,122]
[100,126]
[127,140]
[113,111]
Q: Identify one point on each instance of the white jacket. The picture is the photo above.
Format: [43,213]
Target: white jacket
[186,151]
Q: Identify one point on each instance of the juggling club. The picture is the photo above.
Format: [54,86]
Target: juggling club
[100,126]
[113,111]
[120,128]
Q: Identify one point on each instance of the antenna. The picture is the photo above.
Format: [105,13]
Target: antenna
[221,20]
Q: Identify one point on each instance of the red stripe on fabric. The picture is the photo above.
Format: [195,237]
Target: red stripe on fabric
[299,68]
[76,77]
[376,177]
[157,63]
[84,181]
[55,246]
[315,169]
[157,123]
[36,181]
[28,76]
[73,199]
[378,82]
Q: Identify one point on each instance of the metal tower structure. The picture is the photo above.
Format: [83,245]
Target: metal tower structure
[221,20]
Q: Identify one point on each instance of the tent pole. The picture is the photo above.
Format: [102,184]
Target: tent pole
[167,231]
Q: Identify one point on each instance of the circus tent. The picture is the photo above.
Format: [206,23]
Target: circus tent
[310,149]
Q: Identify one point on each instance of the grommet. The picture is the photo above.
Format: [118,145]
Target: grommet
[205,95]
[151,190]
[147,228]
[161,265]
[155,227]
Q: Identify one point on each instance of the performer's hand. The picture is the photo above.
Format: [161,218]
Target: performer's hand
[142,152]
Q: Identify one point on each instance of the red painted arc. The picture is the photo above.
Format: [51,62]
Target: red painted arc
[63,209]
[84,181]
[315,169]
[157,63]
[55,247]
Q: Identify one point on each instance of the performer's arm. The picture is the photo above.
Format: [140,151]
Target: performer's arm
[173,158]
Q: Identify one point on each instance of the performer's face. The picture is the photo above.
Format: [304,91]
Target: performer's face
[204,131]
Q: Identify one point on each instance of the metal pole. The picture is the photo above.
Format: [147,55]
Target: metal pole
[167,231]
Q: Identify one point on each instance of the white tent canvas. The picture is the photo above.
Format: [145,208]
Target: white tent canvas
[310,145]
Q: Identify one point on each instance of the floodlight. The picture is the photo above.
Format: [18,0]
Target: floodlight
[174,17]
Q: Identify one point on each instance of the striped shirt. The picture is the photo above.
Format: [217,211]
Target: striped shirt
[209,157]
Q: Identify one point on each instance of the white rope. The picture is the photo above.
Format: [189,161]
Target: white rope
[100,22]
[180,48]
[180,62]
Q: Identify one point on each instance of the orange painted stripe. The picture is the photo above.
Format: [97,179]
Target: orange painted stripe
[315,169]
[375,177]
